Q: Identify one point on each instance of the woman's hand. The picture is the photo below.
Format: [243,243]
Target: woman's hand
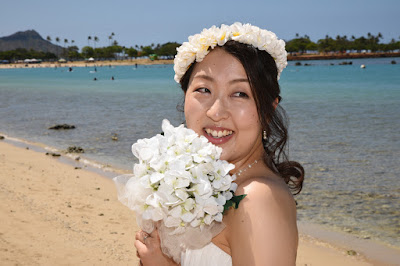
[148,249]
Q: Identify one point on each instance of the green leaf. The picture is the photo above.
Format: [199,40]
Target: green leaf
[233,202]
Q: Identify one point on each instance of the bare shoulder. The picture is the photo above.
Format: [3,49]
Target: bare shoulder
[263,228]
[266,197]
[265,188]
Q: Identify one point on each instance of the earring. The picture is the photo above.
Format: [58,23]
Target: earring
[264,135]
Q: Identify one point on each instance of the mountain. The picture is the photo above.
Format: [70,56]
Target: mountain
[29,39]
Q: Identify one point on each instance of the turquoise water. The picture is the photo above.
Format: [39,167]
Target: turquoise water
[344,124]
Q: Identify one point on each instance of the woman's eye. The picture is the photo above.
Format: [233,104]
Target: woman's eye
[241,95]
[203,90]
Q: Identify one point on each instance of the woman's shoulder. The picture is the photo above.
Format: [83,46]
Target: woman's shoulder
[262,189]
[266,218]
[266,197]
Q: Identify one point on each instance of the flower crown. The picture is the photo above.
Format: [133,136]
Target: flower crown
[198,46]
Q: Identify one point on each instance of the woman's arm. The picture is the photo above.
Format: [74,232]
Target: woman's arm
[263,229]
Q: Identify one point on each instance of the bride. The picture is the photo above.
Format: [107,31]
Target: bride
[229,76]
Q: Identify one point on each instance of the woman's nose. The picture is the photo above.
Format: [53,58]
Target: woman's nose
[218,110]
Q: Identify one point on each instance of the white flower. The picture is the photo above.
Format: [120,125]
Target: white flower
[179,179]
[199,45]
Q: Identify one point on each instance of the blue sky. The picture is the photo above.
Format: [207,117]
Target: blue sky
[159,21]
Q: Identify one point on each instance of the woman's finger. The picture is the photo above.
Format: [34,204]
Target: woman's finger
[141,235]
[140,247]
[137,235]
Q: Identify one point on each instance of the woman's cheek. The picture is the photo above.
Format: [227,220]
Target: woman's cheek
[193,111]
[246,116]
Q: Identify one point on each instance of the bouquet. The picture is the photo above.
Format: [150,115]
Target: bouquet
[179,185]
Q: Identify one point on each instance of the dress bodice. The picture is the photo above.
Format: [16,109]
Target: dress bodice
[209,255]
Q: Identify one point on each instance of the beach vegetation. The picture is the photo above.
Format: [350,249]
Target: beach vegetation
[21,54]
[300,44]
[341,44]
[147,50]
[167,49]
[88,51]
[72,52]
[131,52]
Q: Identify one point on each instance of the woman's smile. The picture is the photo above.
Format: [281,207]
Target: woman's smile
[218,135]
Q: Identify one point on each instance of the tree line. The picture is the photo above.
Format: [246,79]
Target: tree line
[343,44]
[300,44]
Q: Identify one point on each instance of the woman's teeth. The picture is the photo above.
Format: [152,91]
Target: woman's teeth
[218,134]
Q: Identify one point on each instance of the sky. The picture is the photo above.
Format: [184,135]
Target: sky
[159,21]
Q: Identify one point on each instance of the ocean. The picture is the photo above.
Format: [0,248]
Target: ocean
[344,128]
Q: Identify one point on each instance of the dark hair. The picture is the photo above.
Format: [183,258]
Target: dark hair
[262,74]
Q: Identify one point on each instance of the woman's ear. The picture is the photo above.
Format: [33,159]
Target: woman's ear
[275,103]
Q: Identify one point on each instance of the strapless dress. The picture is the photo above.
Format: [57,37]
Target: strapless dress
[209,255]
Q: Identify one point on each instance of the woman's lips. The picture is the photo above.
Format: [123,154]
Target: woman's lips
[218,136]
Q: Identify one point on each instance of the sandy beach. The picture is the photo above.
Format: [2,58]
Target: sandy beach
[147,61]
[56,213]
[140,61]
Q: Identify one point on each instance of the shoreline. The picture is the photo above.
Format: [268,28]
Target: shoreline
[146,61]
[32,171]
[333,56]
[105,63]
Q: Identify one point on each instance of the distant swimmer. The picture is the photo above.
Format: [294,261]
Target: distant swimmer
[95,79]
[70,69]
[362,66]
[112,78]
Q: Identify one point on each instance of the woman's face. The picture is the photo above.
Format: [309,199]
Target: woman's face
[219,105]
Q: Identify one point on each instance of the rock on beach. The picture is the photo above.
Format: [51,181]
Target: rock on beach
[75,149]
[62,127]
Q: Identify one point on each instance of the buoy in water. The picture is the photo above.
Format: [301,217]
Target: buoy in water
[362,66]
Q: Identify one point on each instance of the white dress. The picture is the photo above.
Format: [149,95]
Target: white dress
[209,255]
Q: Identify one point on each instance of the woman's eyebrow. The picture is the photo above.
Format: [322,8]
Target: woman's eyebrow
[239,80]
[206,77]
[203,77]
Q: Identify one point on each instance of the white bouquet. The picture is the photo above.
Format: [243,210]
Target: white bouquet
[180,186]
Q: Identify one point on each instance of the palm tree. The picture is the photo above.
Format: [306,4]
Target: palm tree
[58,41]
[65,51]
[89,38]
[48,38]
[95,39]
[110,38]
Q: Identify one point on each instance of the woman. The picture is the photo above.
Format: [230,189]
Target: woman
[232,98]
